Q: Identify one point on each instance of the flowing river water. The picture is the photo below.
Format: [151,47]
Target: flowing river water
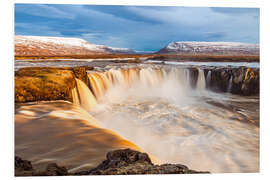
[148,108]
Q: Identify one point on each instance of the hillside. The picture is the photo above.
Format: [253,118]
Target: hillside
[60,46]
[210,48]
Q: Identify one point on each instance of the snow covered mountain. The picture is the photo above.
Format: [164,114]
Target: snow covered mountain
[228,48]
[61,46]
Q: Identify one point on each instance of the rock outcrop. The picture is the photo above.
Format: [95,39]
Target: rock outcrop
[24,168]
[47,83]
[118,162]
[243,81]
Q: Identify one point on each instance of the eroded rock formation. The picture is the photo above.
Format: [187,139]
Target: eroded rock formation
[118,162]
[242,81]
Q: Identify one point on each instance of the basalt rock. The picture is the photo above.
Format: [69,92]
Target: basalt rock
[242,80]
[193,73]
[118,162]
[24,168]
[128,161]
[53,170]
[80,73]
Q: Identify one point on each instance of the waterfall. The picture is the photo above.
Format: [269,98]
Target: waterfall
[187,77]
[100,82]
[208,78]
[230,84]
[201,80]
[87,99]
[75,96]
[149,77]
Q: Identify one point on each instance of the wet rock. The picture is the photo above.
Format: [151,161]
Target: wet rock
[54,170]
[22,164]
[23,167]
[80,73]
[118,162]
[244,81]
[219,80]
[127,161]
[193,73]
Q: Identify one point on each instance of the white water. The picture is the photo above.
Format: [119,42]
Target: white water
[201,84]
[157,110]
[208,78]
[87,100]
[230,84]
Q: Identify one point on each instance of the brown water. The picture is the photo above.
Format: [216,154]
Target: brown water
[151,107]
[64,133]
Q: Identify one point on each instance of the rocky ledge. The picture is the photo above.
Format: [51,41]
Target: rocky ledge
[118,162]
[47,83]
[241,80]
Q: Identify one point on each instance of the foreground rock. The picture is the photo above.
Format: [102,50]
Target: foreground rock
[118,162]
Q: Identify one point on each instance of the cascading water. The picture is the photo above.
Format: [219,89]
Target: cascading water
[208,78]
[201,80]
[87,100]
[156,109]
[187,77]
[75,97]
[230,84]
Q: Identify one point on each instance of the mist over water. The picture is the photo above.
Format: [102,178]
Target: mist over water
[160,113]
[149,108]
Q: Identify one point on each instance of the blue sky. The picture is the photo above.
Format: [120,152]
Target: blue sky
[143,28]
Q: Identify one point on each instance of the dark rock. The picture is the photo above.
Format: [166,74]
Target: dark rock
[54,170]
[118,162]
[23,167]
[127,161]
[193,73]
[22,164]
[244,81]
[80,73]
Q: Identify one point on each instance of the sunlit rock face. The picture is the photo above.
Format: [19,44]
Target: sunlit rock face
[36,84]
[46,83]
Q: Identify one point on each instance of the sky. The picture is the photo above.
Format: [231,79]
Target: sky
[142,28]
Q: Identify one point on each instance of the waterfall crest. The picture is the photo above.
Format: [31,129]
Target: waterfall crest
[87,99]
[230,84]
[208,78]
[201,80]
[101,82]
[75,96]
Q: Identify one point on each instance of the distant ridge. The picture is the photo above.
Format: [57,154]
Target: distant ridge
[223,48]
[61,46]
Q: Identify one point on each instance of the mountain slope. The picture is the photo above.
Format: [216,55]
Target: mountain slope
[228,48]
[61,46]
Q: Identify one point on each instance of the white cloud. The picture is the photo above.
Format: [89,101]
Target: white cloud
[44,11]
